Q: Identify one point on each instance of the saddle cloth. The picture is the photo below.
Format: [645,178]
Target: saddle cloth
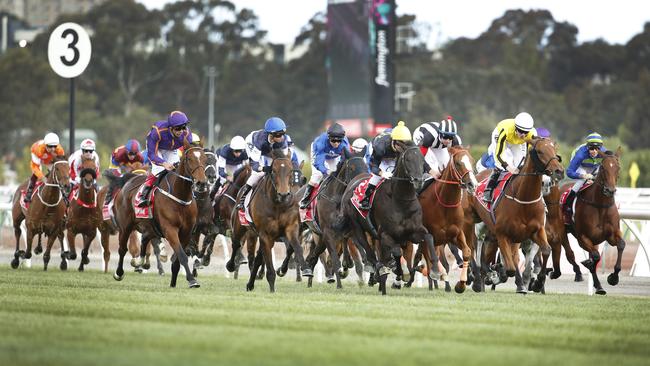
[309,213]
[23,204]
[245,215]
[360,191]
[496,194]
[570,220]
[147,211]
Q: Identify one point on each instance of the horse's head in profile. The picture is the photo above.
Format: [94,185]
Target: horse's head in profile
[282,175]
[546,161]
[608,172]
[351,167]
[410,163]
[193,166]
[88,173]
[461,166]
[60,174]
[211,166]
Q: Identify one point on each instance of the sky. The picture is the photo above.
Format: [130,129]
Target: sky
[615,21]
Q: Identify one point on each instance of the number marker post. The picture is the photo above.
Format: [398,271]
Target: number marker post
[68,52]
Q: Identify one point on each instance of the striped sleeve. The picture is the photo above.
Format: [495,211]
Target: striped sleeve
[501,145]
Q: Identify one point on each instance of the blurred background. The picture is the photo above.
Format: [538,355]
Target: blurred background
[364,63]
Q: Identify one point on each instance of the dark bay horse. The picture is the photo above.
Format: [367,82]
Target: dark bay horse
[597,218]
[274,210]
[327,209]
[45,214]
[442,213]
[520,214]
[82,212]
[396,214]
[174,212]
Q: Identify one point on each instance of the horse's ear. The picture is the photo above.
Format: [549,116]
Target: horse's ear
[186,145]
[618,152]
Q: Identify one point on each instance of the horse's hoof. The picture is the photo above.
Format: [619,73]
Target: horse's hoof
[460,287]
[612,279]
[195,272]
[250,287]
[64,265]
[194,284]
[511,273]
[601,291]
[117,277]
[280,273]
[230,266]
[521,290]
[470,279]
[137,270]
[344,274]
[71,255]
[578,277]
[14,263]
[368,268]
[589,264]
[146,266]
[307,272]
[38,250]
[205,261]
[476,286]
[397,285]
[538,286]
[555,274]
[447,286]
[161,272]
[81,268]
[331,279]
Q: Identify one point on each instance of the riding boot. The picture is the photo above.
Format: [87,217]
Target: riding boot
[215,189]
[30,189]
[365,202]
[148,185]
[492,183]
[304,202]
[568,205]
[245,190]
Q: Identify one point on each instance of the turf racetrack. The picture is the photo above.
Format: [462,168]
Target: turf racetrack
[71,318]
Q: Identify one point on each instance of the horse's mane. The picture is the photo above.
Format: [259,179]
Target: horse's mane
[118,181]
[403,145]
[56,159]
[235,175]
[277,153]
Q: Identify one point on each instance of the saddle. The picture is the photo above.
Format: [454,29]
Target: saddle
[309,215]
[503,181]
[360,192]
[569,220]
[23,192]
[147,211]
[244,215]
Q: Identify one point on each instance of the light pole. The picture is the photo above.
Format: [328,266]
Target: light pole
[211,73]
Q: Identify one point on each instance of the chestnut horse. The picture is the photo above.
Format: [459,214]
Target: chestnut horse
[520,215]
[45,214]
[174,212]
[274,210]
[597,218]
[442,213]
[82,212]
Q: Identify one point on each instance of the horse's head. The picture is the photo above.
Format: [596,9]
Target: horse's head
[60,174]
[193,166]
[211,166]
[351,167]
[461,167]
[88,173]
[608,173]
[410,163]
[282,176]
[545,159]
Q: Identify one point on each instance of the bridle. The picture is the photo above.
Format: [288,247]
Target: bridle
[186,176]
[458,180]
[56,184]
[410,178]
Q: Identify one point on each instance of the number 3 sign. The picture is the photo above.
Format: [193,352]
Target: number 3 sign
[69,50]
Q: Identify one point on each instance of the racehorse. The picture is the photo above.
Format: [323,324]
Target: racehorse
[597,218]
[396,214]
[44,215]
[520,215]
[327,211]
[174,212]
[108,227]
[442,213]
[274,212]
[82,212]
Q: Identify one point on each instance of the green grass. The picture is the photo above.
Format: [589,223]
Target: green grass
[70,318]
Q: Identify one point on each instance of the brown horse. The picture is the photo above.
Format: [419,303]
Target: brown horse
[597,218]
[108,227]
[274,210]
[520,215]
[45,215]
[442,213]
[174,212]
[82,212]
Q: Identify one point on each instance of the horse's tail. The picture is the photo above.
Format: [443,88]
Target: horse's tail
[341,224]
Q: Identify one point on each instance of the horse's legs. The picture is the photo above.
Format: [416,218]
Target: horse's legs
[570,256]
[84,252]
[48,249]
[618,241]
[155,243]
[591,263]
[238,233]
[531,254]
[208,247]
[284,267]
[266,244]
[540,238]
[330,242]
[104,236]
[123,236]
[387,245]
[504,247]
[17,232]
[519,281]
[72,236]
[176,267]
[356,257]
[255,263]
[292,234]
[172,237]
[312,257]
[461,243]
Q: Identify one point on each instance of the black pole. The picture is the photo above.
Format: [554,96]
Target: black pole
[71,128]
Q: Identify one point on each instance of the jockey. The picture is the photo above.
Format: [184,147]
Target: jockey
[86,151]
[230,157]
[382,161]
[584,166]
[436,137]
[259,145]
[163,141]
[326,152]
[360,146]
[124,156]
[43,153]
[508,148]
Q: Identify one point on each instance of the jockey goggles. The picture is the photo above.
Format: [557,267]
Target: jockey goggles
[180,128]
[50,146]
[519,131]
[447,136]
[277,134]
[84,151]
[593,147]
[336,140]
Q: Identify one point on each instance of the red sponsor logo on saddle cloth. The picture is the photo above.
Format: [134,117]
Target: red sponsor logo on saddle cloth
[496,193]
[309,213]
[360,191]
[23,192]
[147,211]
